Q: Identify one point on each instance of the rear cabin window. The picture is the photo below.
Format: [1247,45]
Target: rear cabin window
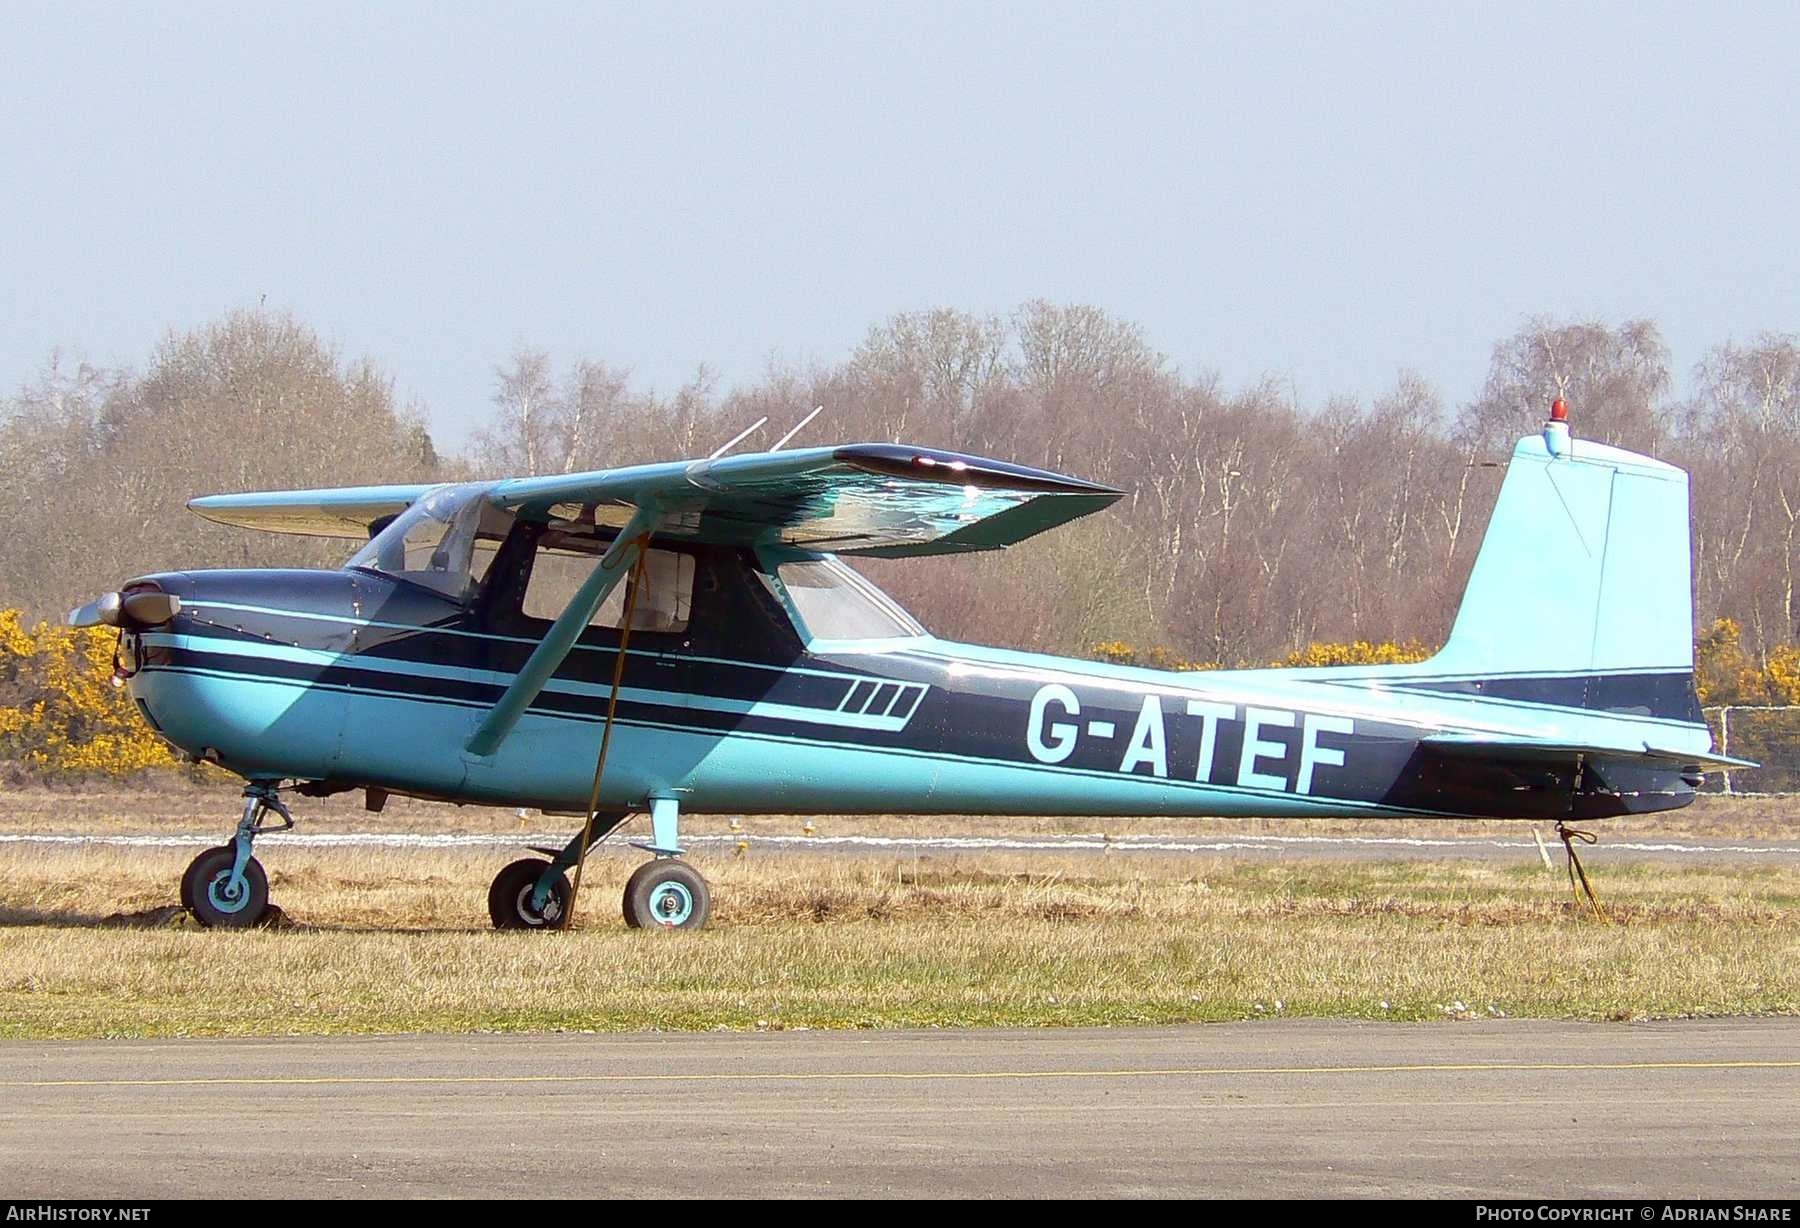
[836,603]
[559,568]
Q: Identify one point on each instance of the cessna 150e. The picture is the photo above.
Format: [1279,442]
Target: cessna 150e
[680,639]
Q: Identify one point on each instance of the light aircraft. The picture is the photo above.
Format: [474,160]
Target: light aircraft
[682,638]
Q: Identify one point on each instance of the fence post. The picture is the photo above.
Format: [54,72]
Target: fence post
[1725,742]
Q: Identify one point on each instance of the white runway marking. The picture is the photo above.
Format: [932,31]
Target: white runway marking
[1096,842]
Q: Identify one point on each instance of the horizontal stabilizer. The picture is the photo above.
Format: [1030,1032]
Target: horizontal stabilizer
[1514,746]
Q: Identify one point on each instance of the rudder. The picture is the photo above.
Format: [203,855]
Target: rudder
[1585,570]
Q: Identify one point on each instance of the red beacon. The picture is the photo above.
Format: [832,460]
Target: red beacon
[1556,429]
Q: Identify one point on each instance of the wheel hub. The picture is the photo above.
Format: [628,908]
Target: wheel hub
[552,907]
[219,892]
[671,903]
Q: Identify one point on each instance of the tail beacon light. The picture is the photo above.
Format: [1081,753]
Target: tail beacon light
[1556,428]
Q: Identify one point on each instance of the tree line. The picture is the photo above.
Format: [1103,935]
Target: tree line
[1254,525]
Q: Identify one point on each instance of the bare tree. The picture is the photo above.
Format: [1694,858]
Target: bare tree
[1741,441]
[107,460]
[1618,377]
[528,434]
[1252,525]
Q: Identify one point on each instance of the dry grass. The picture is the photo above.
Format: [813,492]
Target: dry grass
[398,941]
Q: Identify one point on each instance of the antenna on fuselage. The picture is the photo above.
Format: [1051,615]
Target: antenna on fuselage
[817,410]
[738,438]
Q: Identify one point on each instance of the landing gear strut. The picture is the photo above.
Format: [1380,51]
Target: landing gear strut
[533,894]
[667,893]
[226,887]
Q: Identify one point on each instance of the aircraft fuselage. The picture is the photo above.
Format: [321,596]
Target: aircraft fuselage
[351,679]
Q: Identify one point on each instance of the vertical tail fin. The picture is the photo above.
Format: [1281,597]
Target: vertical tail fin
[1585,571]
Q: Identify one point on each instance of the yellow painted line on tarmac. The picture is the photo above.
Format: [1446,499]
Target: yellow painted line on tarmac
[893,1076]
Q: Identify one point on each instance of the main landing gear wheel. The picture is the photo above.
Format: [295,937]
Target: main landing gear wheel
[509,899]
[210,896]
[667,894]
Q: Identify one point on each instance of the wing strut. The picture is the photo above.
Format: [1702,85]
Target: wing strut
[550,653]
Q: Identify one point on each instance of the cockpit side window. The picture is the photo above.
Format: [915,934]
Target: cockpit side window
[563,562]
[443,542]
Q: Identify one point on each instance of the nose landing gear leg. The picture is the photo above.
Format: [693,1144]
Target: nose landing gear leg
[226,887]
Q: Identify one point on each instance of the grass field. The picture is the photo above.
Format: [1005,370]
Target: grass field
[393,941]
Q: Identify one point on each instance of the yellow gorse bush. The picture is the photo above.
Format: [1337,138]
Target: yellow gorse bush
[1724,673]
[60,713]
[1118,652]
[1359,652]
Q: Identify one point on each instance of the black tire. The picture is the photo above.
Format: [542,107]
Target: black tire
[188,875]
[211,906]
[509,899]
[667,894]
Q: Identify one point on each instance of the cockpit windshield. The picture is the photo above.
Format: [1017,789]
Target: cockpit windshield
[836,603]
[443,542]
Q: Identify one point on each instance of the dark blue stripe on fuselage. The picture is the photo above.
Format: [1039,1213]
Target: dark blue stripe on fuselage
[1665,696]
[816,694]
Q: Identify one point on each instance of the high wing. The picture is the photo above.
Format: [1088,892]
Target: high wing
[345,511]
[888,500]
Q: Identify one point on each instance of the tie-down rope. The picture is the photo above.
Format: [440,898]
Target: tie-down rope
[635,581]
[1570,836]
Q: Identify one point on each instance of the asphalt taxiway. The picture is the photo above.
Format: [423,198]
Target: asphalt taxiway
[1283,1108]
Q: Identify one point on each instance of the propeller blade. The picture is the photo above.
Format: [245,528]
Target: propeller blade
[103,610]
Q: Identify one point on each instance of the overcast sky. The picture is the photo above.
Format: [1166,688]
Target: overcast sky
[1327,192]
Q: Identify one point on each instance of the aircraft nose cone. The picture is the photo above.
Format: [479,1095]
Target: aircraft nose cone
[148,607]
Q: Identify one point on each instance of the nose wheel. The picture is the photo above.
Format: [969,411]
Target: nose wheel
[193,872]
[667,894]
[225,887]
[218,897]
